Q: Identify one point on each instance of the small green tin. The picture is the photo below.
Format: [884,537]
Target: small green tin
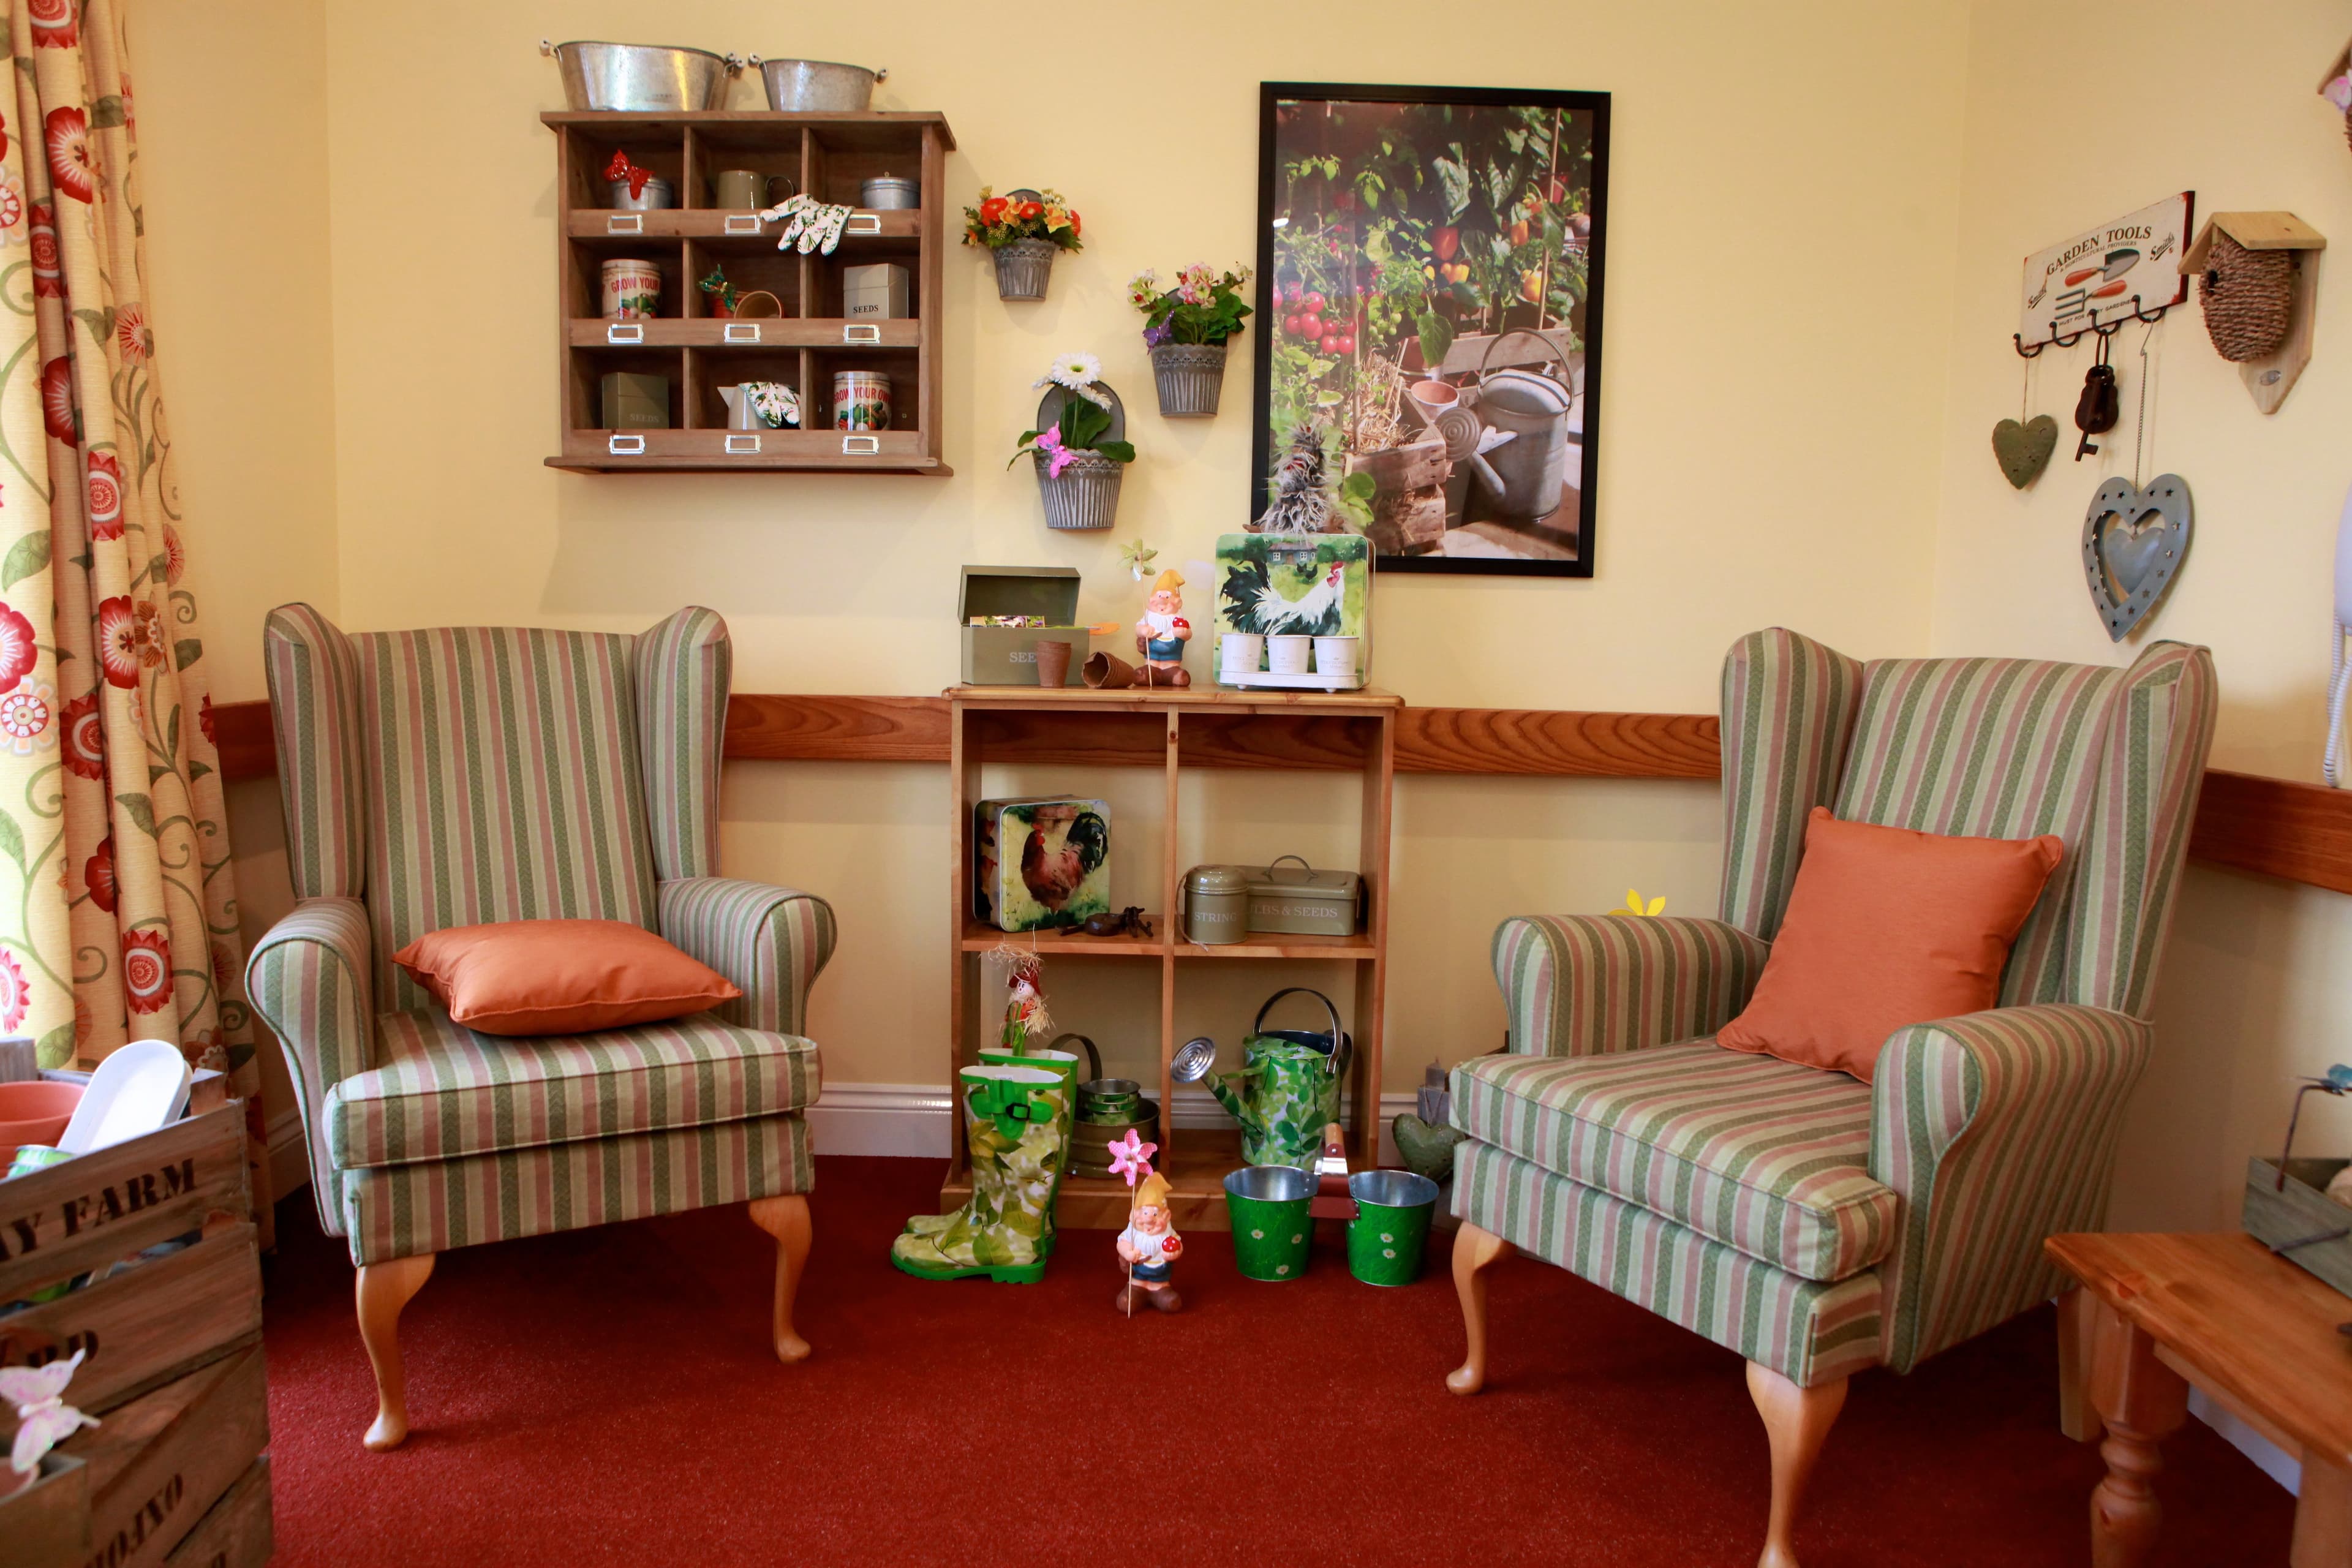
[1391,1230]
[1272,1231]
[1214,907]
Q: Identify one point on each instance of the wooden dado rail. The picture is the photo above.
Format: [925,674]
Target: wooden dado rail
[2296,831]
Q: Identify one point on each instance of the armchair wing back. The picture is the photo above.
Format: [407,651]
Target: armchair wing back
[2107,758]
[465,774]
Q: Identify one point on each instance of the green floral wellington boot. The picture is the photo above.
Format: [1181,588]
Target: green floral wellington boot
[1064,1065]
[1013,1118]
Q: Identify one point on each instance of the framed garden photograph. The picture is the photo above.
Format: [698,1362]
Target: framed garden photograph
[1429,289]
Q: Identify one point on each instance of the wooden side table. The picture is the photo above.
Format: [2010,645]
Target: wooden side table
[2159,1314]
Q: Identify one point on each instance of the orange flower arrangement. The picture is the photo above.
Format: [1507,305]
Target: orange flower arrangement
[998,221]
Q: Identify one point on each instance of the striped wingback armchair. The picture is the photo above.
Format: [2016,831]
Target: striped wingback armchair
[1815,1223]
[465,775]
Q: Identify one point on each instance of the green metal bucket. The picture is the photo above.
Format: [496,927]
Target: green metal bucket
[1272,1231]
[1391,1230]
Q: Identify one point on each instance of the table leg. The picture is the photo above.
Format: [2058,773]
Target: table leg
[2322,1516]
[2142,1401]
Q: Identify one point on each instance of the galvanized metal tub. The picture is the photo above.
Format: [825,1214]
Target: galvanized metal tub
[641,77]
[819,86]
[1190,376]
[1084,495]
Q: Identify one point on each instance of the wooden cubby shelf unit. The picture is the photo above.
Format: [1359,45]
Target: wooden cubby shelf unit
[829,157]
[1172,730]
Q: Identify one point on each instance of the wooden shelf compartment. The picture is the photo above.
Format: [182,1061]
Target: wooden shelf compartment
[979,937]
[1148,728]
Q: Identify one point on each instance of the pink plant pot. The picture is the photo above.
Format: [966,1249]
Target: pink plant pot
[35,1112]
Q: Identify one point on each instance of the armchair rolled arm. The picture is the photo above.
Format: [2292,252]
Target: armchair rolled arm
[771,941]
[311,979]
[1581,985]
[1997,1129]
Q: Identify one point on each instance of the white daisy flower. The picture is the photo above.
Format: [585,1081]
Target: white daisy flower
[1076,371]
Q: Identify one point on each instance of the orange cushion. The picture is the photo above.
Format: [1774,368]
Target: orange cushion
[558,977]
[1885,927]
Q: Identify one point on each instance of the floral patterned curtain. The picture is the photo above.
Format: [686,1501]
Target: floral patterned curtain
[118,904]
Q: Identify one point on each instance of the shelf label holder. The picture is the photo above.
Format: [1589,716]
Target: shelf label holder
[625,446]
[740,332]
[736,444]
[861,334]
[742,223]
[861,446]
[625,223]
[626,333]
[867,224]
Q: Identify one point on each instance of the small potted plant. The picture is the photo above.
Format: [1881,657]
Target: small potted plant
[1021,231]
[1186,327]
[1078,452]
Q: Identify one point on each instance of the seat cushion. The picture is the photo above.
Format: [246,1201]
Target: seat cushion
[1756,1153]
[442,1091]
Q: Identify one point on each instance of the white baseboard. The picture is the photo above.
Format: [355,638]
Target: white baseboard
[2268,1456]
[912,1120]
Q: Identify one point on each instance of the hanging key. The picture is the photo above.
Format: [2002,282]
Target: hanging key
[2097,409]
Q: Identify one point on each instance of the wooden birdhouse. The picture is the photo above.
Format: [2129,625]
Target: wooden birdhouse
[2258,294]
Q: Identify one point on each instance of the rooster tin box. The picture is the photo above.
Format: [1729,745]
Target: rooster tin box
[1041,862]
[1314,585]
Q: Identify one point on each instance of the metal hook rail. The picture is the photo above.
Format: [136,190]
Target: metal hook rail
[2104,329]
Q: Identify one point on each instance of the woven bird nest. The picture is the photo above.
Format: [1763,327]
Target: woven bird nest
[2248,296]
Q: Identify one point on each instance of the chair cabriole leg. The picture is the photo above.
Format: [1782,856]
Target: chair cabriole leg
[1796,1420]
[786,1219]
[383,1289]
[1473,1248]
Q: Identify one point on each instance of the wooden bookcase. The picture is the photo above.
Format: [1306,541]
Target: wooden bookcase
[1174,731]
[829,156]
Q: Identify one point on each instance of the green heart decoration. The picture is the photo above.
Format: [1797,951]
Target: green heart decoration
[2023,450]
[2134,541]
[1428,1150]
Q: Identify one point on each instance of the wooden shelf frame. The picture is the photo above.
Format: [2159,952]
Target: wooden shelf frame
[1174,731]
[696,353]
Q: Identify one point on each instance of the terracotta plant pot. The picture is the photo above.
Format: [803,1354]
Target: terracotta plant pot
[1052,661]
[1023,269]
[1107,672]
[34,1113]
[1189,377]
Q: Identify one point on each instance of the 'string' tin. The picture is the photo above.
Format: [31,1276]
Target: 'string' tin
[631,290]
[861,400]
[889,194]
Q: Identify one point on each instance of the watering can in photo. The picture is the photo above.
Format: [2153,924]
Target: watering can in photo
[1526,473]
[1289,1085]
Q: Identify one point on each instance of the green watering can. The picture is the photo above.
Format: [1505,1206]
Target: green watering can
[1290,1080]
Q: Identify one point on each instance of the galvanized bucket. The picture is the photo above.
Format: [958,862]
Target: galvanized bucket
[1391,1230]
[641,78]
[1272,1233]
[1023,269]
[818,87]
[1190,376]
[1085,494]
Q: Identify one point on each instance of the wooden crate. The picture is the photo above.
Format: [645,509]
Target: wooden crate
[47,1524]
[236,1533]
[171,1343]
[2299,1218]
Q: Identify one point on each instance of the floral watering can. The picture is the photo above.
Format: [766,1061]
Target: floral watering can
[1289,1082]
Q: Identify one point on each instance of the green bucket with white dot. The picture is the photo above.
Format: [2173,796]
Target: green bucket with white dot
[1272,1230]
[1391,1230]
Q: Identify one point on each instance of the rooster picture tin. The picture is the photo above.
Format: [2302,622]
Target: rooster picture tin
[1315,585]
[1042,862]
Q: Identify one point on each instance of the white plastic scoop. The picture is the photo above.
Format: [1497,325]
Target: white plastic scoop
[140,1088]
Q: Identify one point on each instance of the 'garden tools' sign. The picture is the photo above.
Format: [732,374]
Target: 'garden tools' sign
[2106,274]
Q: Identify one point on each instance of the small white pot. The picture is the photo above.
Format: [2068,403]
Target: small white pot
[1336,657]
[1288,655]
[1240,653]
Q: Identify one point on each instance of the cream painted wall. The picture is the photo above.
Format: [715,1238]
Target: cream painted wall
[377,392]
[2252,992]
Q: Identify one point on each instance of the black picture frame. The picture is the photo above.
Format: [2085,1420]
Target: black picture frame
[1549,555]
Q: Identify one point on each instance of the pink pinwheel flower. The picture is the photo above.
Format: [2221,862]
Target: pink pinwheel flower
[1131,1158]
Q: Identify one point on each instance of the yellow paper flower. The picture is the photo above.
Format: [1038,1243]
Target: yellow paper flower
[1633,905]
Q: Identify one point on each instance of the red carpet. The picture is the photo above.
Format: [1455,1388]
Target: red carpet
[607,1396]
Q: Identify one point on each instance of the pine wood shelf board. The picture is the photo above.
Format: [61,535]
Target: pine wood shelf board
[980,938]
[1156,699]
[708,226]
[708,333]
[752,463]
[2273,828]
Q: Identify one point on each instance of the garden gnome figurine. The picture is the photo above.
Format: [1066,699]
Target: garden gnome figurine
[1148,1246]
[1162,634]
